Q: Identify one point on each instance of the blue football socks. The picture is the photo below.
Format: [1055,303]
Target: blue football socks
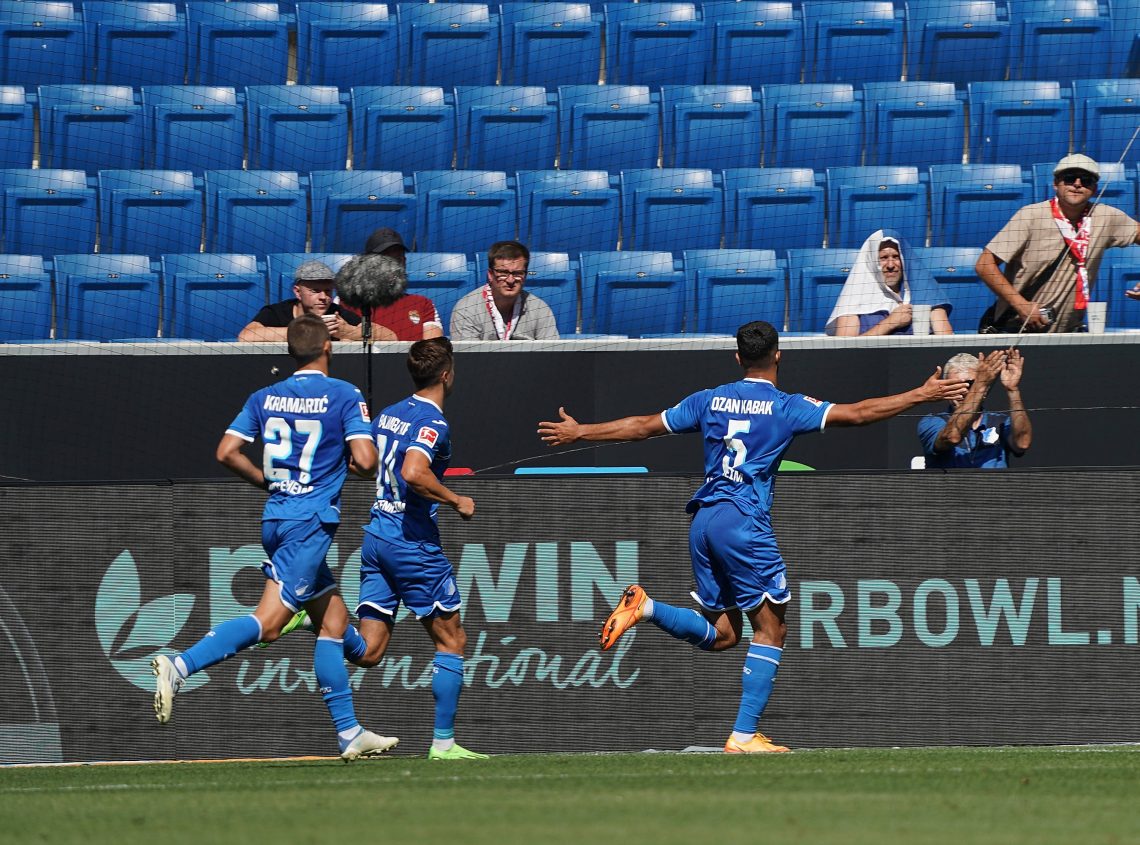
[757,680]
[684,623]
[446,685]
[332,680]
[224,641]
[355,646]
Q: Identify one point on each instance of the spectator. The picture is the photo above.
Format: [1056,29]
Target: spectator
[501,309]
[881,290]
[409,316]
[967,435]
[1052,251]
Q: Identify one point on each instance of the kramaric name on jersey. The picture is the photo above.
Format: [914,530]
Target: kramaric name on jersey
[296,404]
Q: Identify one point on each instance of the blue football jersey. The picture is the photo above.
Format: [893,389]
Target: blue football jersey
[304,423]
[414,423]
[747,427]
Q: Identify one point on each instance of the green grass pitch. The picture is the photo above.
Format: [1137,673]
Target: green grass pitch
[1083,795]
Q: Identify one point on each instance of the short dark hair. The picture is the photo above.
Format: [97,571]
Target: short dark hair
[306,335]
[428,360]
[757,343]
[508,251]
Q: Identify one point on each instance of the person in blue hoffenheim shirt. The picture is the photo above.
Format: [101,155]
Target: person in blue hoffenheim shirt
[401,559]
[313,428]
[746,426]
[967,436]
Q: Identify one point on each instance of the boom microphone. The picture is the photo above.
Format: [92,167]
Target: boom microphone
[371,281]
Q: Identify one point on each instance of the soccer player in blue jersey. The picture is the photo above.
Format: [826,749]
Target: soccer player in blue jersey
[401,559]
[314,428]
[747,426]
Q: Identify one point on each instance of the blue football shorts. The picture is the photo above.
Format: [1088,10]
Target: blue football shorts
[736,562]
[394,570]
[297,550]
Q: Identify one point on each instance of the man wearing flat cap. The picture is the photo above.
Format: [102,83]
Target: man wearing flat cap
[1052,251]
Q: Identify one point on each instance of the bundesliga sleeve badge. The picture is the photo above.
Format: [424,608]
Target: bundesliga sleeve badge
[427,436]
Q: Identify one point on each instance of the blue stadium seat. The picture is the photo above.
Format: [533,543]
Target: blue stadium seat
[552,277]
[296,127]
[1126,37]
[211,296]
[280,268]
[773,208]
[41,43]
[463,210]
[17,128]
[714,126]
[853,40]
[443,277]
[106,297]
[754,42]
[506,127]
[550,44]
[47,212]
[1019,122]
[149,212]
[405,128]
[346,44]
[671,209]
[914,123]
[815,277]
[448,44]
[735,286]
[659,43]
[140,43]
[25,299]
[237,44]
[1119,272]
[192,127]
[952,268]
[1107,112]
[818,125]
[632,293]
[1047,34]
[970,203]
[862,200]
[348,205]
[563,210]
[607,127]
[1117,185]
[957,40]
[90,127]
[255,211]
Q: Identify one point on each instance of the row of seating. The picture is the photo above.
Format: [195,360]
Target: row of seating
[751,42]
[151,212]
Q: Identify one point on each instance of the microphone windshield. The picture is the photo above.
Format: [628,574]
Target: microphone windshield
[371,281]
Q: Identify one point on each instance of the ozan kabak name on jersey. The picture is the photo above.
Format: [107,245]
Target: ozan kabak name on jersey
[729,405]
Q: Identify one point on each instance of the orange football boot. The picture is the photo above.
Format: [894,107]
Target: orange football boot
[630,609]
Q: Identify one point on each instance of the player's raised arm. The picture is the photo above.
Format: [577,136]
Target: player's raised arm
[416,471]
[934,389]
[568,430]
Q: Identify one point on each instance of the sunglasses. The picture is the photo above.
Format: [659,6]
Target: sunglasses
[1070,177]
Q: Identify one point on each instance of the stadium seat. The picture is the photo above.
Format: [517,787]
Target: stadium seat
[41,43]
[607,127]
[1017,122]
[140,43]
[405,128]
[348,205]
[506,127]
[735,286]
[280,267]
[659,43]
[255,211]
[1048,33]
[970,203]
[1107,112]
[1126,37]
[149,212]
[90,127]
[448,44]
[914,123]
[106,297]
[713,126]
[632,293]
[853,40]
[443,277]
[817,126]
[550,44]
[957,41]
[952,268]
[17,128]
[211,296]
[773,208]
[671,209]
[754,42]
[296,127]
[1117,185]
[25,299]
[862,200]
[1119,272]
[463,210]
[346,44]
[563,210]
[47,212]
[552,277]
[237,44]
[815,277]
[192,127]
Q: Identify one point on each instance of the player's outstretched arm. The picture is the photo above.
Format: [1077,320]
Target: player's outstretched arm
[230,455]
[416,471]
[934,389]
[568,430]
